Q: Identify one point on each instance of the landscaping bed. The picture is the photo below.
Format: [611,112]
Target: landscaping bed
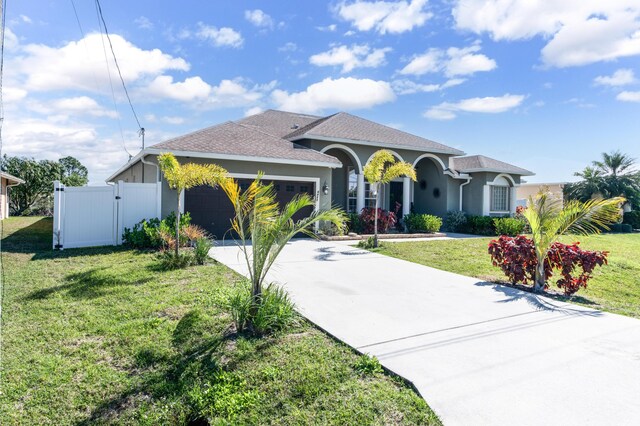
[102,335]
[390,236]
[614,287]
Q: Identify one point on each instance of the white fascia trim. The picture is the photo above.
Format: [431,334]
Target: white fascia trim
[128,164]
[497,171]
[244,158]
[378,144]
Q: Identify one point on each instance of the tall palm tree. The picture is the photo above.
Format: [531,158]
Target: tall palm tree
[186,176]
[615,163]
[382,169]
[592,183]
[267,227]
[549,219]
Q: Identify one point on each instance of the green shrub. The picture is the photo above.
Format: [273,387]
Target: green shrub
[480,225]
[509,226]
[422,223]
[368,365]
[354,224]
[275,311]
[201,250]
[455,221]
[621,228]
[147,232]
[367,244]
[168,259]
[632,218]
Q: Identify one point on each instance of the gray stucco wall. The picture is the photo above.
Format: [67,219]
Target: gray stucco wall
[472,196]
[431,190]
[135,173]
[169,197]
[340,177]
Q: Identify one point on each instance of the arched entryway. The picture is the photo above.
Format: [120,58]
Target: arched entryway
[430,188]
[347,183]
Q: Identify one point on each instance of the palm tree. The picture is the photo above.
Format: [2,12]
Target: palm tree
[260,223]
[614,175]
[381,169]
[548,219]
[186,176]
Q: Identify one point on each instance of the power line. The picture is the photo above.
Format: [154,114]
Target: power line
[116,62]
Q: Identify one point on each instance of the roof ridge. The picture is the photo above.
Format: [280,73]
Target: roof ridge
[302,130]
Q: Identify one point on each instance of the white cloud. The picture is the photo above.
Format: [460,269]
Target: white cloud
[143,23]
[621,77]
[173,120]
[342,93]
[356,56]
[224,36]
[627,96]
[13,94]
[329,28]
[488,105]
[579,32]
[253,111]
[26,19]
[384,16]
[452,62]
[288,47]
[81,65]
[190,89]
[258,18]
[64,108]
[407,87]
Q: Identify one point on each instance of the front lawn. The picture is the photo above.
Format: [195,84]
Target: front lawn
[614,287]
[102,336]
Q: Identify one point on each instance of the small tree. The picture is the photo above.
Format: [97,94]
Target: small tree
[73,173]
[381,169]
[186,176]
[548,219]
[260,223]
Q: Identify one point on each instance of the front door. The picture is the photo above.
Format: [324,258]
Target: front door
[395,196]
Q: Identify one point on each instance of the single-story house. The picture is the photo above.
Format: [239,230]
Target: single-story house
[6,182]
[526,190]
[325,156]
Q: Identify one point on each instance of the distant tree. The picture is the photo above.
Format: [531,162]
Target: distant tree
[73,173]
[38,179]
[615,175]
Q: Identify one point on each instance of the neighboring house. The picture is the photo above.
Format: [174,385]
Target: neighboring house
[6,182]
[325,156]
[526,190]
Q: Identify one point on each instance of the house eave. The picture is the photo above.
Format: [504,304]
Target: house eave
[218,156]
[378,144]
[490,170]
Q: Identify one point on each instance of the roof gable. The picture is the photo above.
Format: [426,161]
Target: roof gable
[232,138]
[480,163]
[346,127]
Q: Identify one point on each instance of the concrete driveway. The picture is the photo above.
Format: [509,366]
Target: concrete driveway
[479,353]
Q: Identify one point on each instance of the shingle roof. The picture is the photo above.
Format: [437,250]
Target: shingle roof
[232,138]
[478,163]
[278,123]
[349,127]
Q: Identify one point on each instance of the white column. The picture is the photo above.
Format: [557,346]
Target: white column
[512,199]
[486,200]
[360,193]
[406,196]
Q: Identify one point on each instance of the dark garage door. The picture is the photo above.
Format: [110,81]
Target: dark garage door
[211,209]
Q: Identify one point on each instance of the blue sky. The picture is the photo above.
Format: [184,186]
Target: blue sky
[543,85]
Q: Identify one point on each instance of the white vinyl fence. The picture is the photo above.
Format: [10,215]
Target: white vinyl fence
[97,215]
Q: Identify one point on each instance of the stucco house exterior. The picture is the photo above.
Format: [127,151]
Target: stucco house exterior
[325,156]
[6,182]
[526,190]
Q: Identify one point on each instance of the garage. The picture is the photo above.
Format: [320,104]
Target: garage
[211,209]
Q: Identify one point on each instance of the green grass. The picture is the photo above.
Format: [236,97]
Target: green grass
[614,287]
[102,336]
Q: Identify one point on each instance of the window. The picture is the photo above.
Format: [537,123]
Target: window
[289,188]
[276,187]
[244,186]
[304,188]
[499,198]
[352,192]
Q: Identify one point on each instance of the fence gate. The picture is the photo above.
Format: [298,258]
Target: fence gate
[97,215]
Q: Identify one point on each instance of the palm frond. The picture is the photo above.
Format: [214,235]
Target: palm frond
[397,170]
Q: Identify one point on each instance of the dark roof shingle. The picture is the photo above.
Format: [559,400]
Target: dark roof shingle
[278,123]
[349,127]
[244,140]
[477,163]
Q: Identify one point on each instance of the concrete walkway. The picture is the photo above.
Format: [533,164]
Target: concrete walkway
[479,353]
